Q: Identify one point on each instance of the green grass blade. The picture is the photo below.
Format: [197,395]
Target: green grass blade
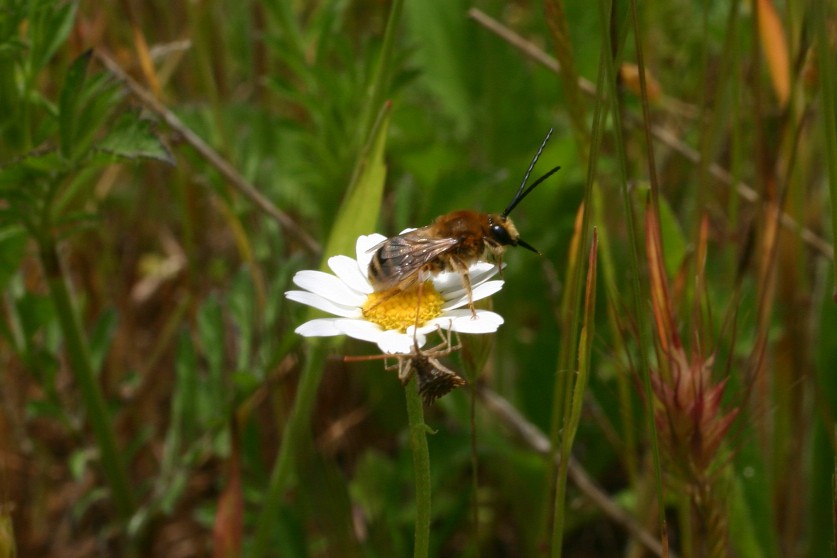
[571,425]
[828,101]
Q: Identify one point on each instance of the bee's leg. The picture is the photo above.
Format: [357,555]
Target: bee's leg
[466,281]
[462,268]
[420,291]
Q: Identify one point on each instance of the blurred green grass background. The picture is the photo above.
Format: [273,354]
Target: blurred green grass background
[176,275]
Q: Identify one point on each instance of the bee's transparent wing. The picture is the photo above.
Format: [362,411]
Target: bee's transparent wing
[404,255]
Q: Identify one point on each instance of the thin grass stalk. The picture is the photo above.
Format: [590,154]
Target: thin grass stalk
[646,110]
[562,393]
[559,27]
[200,19]
[655,187]
[572,302]
[631,456]
[563,382]
[834,499]
[571,425]
[82,367]
[636,273]
[712,118]
[624,386]
[736,135]
[683,509]
[421,469]
[828,97]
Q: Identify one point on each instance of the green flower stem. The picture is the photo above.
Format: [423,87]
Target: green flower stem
[421,467]
[82,368]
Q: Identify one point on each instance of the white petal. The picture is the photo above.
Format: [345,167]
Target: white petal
[420,334]
[315,300]
[483,271]
[447,281]
[432,326]
[329,287]
[460,297]
[361,329]
[485,322]
[396,342]
[347,270]
[321,327]
[363,246]
[488,288]
[452,280]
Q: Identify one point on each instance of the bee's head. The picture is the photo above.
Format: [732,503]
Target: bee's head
[502,233]
[501,230]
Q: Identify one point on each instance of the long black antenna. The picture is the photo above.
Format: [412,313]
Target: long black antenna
[521,193]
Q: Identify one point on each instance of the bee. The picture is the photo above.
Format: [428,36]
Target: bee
[453,242]
[434,379]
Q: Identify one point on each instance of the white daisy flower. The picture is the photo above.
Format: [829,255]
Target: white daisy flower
[360,313]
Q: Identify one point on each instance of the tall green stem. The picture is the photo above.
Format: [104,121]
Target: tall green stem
[655,188]
[421,466]
[82,368]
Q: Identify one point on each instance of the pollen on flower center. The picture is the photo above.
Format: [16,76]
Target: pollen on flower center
[396,309]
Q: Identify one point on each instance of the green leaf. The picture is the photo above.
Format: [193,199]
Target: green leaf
[182,427]
[745,536]
[751,515]
[51,23]
[446,40]
[20,175]
[101,338]
[12,250]
[210,396]
[359,211]
[84,108]
[71,96]
[35,311]
[133,138]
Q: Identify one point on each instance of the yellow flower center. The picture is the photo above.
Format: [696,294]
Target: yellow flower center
[397,309]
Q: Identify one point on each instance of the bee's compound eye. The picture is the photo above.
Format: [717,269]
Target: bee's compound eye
[501,235]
